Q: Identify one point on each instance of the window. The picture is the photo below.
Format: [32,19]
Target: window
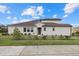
[31,29]
[44,28]
[28,30]
[53,29]
[24,29]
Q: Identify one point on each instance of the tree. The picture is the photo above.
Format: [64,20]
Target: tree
[4,30]
[17,35]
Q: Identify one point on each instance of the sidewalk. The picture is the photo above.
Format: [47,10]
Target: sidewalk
[10,50]
[43,50]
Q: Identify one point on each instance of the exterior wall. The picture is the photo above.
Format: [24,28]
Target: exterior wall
[49,30]
[57,31]
[39,24]
[11,29]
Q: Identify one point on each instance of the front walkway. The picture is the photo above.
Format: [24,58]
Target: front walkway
[43,50]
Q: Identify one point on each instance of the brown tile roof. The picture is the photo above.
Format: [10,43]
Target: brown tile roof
[56,25]
[32,23]
[56,19]
[29,23]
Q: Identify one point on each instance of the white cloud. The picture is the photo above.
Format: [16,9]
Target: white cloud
[40,10]
[29,11]
[8,12]
[55,16]
[20,21]
[14,22]
[33,11]
[3,8]
[15,18]
[9,17]
[75,25]
[65,16]
[49,10]
[70,7]
[35,17]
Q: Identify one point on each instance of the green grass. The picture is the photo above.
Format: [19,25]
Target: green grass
[7,41]
[38,42]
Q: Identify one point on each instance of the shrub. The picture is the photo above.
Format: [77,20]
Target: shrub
[29,37]
[29,33]
[53,37]
[25,34]
[36,37]
[17,35]
[72,34]
[67,37]
[61,37]
[44,37]
[5,34]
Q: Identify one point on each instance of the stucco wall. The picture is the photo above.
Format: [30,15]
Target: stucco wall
[49,31]
[57,31]
[11,29]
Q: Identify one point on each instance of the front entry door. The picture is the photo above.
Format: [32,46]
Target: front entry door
[39,31]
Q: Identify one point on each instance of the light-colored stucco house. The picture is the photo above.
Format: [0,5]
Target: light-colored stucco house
[42,27]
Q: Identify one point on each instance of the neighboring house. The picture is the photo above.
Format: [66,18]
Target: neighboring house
[42,27]
[75,29]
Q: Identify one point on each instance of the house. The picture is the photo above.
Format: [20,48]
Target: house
[42,27]
[75,29]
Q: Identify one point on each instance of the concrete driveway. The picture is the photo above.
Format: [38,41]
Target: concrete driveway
[43,50]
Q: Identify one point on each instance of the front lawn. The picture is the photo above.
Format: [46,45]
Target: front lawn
[7,41]
[38,42]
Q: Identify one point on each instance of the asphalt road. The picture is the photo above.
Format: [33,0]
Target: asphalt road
[43,50]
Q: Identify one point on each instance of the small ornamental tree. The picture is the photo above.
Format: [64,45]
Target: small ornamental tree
[17,35]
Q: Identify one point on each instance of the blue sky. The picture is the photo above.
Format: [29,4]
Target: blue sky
[11,13]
